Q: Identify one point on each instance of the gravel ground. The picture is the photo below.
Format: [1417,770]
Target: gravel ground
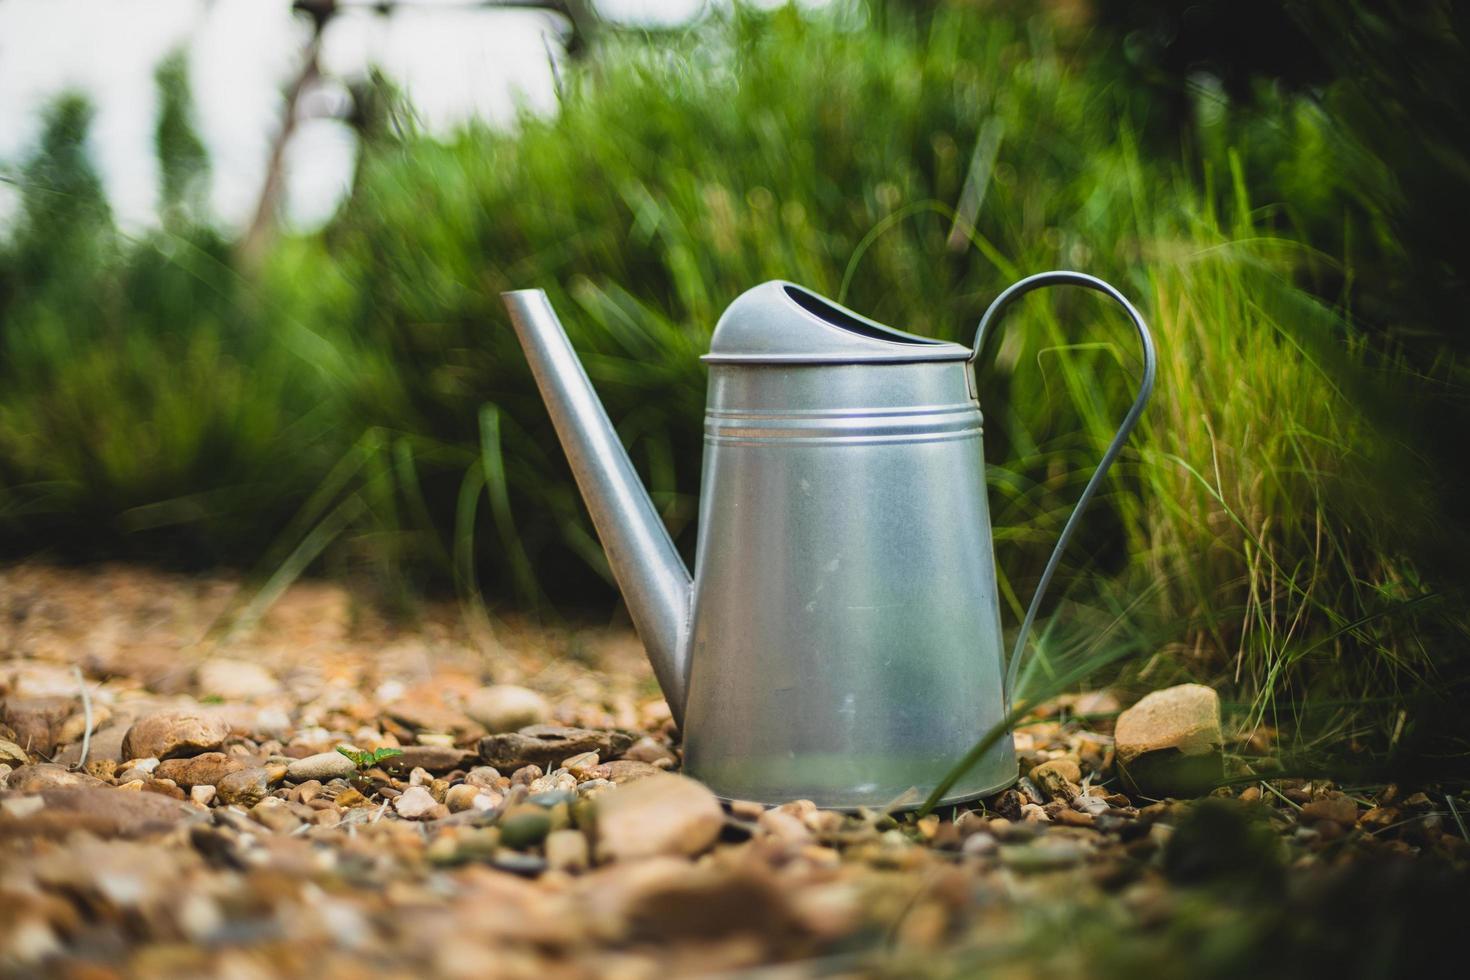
[509,805]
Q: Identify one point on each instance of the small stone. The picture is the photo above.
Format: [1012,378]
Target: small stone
[525,775]
[506,707]
[235,680]
[172,735]
[527,865]
[1044,855]
[625,771]
[13,754]
[1058,778]
[415,803]
[105,745]
[546,745]
[579,763]
[165,786]
[36,722]
[203,795]
[486,777]
[592,787]
[1336,809]
[275,815]
[668,902]
[201,770]
[101,811]
[324,766]
[746,809]
[1031,813]
[20,807]
[979,844]
[525,825]
[420,777]
[663,814]
[432,758]
[1170,744]
[34,778]
[653,752]
[567,850]
[556,782]
[246,787]
[461,797]
[1381,817]
[75,727]
[784,827]
[1074,818]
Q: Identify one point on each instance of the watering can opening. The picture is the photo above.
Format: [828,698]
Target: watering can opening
[839,317]
[779,322]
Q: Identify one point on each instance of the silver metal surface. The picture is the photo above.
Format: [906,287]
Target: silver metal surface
[844,642]
[780,322]
[651,575]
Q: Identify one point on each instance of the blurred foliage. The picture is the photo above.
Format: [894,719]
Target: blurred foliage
[361,401]
[183,164]
[146,406]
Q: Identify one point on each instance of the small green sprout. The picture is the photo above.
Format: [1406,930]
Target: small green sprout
[366,760]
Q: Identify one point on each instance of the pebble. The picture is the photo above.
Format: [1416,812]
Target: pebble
[546,745]
[323,766]
[653,752]
[487,777]
[1170,743]
[245,787]
[579,764]
[44,775]
[1336,809]
[1042,856]
[202,794]
[12,753]
[506,707]
[560,781]
[37,721]
[104,812]
[624,771]
[663,814]
[784,827]
[524,826]
[461,797]
[568,850]
[21,807]
[415,803]
[170,735]
[275,815]
[235,679]
[206,769]
[1058,778]
[432,758]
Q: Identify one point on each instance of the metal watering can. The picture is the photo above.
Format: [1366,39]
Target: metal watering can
[840,640]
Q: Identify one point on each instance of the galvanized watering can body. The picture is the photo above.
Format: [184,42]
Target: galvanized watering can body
[840,640]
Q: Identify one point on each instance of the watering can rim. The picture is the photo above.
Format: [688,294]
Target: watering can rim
[781,322]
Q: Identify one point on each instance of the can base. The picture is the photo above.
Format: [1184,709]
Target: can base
[913,804]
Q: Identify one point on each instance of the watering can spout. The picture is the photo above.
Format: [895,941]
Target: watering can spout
[653,579]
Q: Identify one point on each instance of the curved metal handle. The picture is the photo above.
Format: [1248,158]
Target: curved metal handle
[1145,389]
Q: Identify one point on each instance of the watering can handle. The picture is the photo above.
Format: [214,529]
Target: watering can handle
[1145,388]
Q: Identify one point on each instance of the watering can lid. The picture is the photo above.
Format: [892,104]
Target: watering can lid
[780,322]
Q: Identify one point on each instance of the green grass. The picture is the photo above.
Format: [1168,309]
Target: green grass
[361,407]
